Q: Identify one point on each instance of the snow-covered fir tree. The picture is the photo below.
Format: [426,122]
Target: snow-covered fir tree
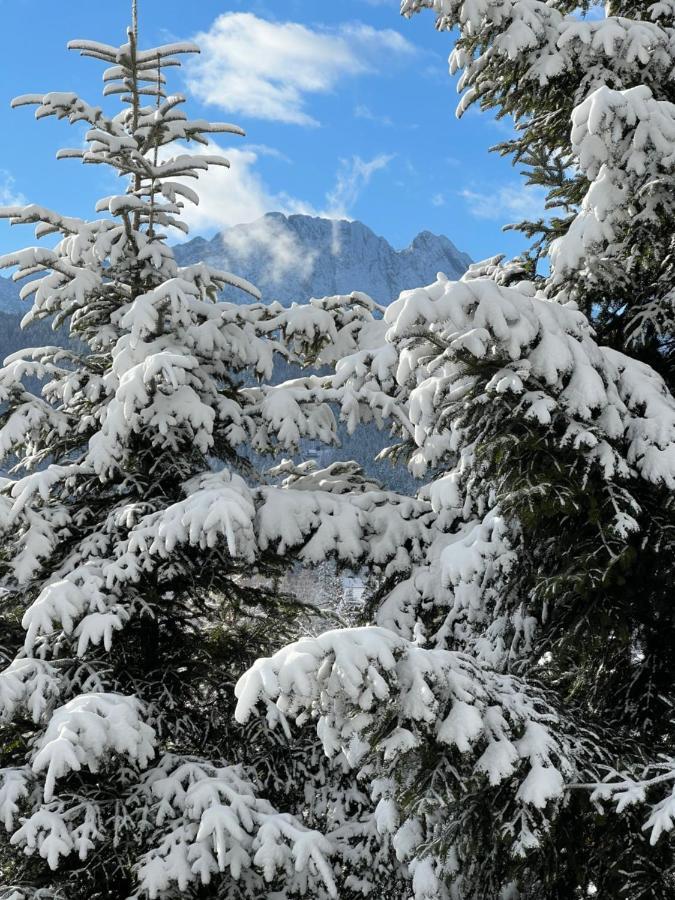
[541,445]
[512,701]
[141,556]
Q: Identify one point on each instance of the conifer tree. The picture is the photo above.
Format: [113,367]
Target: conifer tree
[470,703]
[138,578]
[515,689]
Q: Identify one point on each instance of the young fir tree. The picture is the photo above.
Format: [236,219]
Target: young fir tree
[523,631]
[139,556]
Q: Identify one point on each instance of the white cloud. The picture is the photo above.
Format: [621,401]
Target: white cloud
[9,196]
[239,195]
[352,177]
[267,69]
[236,195]
[361,111]
[511,201]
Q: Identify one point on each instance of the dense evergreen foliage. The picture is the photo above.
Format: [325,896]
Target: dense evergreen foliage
[541,406]
[137,580]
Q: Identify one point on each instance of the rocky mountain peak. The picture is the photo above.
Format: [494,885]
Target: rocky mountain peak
[295,257]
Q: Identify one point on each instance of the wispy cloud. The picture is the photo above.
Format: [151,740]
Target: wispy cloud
[353,176]
[438,200]
[510,201]
[240,195]
[236,195]
[361,111]
[267,70]
[269,239]
[9,196]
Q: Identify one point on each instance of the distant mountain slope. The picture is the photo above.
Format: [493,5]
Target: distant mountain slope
[9,297]
[297,257]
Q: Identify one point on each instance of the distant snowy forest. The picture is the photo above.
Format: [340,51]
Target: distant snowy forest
[352,595]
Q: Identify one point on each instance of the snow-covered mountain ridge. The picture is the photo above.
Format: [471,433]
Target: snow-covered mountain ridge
[296,257]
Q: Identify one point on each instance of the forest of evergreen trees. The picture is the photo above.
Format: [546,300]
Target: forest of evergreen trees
[187,708]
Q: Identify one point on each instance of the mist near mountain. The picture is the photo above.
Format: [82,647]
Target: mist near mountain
[292,258]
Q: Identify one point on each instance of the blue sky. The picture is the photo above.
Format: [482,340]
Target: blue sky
[349,111]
